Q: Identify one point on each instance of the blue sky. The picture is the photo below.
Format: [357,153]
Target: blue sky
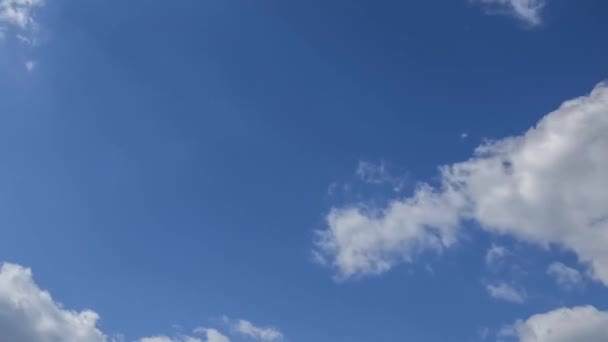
[293,171]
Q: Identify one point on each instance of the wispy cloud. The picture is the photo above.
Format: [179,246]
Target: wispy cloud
[566,277]
[506,292]
[18,24]
[528,11]
[30,65]
[262,334]
[494,254]
[378,174]
[17,17]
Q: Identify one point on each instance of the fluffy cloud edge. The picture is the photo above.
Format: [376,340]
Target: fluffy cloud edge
[254,332]
[509,187]
[581,323]
[30,314]
[527,11]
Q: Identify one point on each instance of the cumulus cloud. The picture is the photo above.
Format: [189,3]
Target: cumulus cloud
[528,11]
[506,292]
[29,314]
[584,323]
[18,16]
[264,334]
[215,336]
[566,277]
[546,186]
[362,241]
[212,335]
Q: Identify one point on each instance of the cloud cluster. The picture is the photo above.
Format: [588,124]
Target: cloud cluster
[18,16]
[584,323]
[30,314]
[546,186]
[17,22]
[528,11]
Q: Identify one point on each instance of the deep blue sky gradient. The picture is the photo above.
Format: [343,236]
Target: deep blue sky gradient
[168,162]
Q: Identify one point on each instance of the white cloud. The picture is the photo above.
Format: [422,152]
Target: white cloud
[494,254]
[212,335]
[30,65]
[364,241]
[529,11]
[209,335]
[215,336]
[29,314]
[264,334]
[378,174]
[584,323]
[566,277]
[546,186]
[506,292]
[243,327]
[156,339]
[17,23]
[18,15]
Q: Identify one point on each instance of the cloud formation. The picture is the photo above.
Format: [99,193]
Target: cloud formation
[584,323]
[546,186]
[213,335]
[169,339]
[528,11]
[506,292]
[29,314]
[566,277]
[263,334]
[18,16]
[208,335]
[378,174]
[495,254]
[364,241]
